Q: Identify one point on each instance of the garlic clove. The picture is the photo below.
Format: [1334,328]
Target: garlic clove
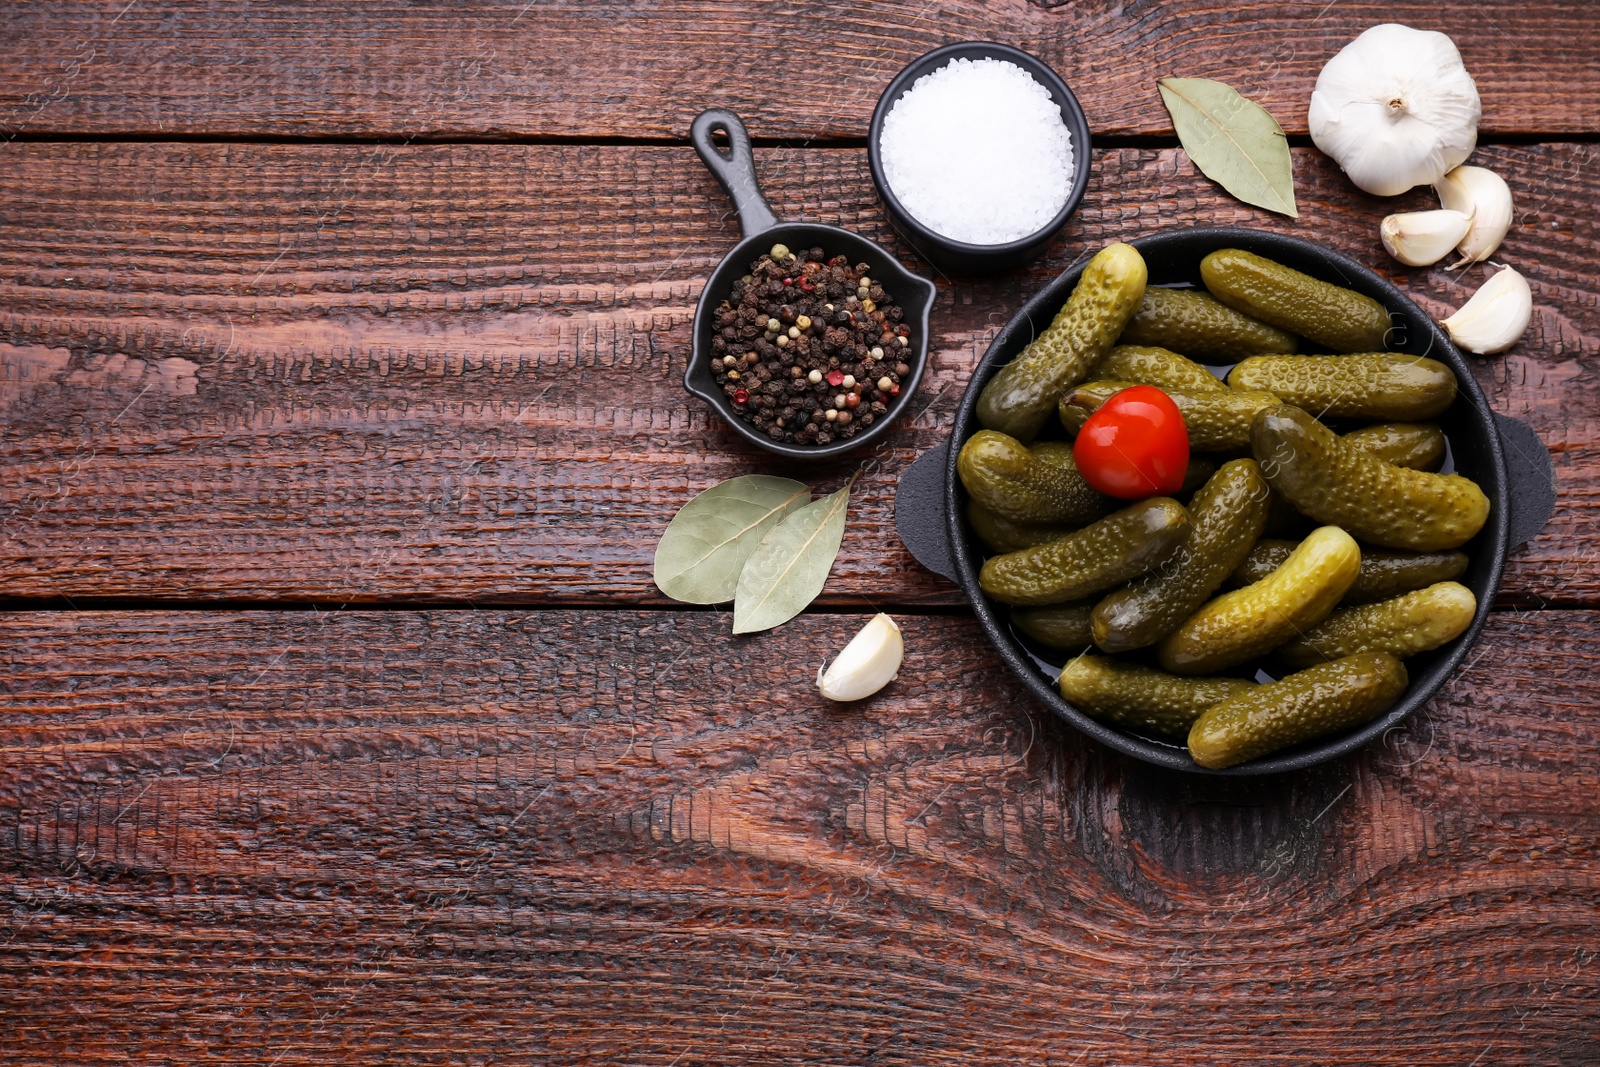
[1495,317]
[1483,194]
[868,663]
[1395,108]
[1420,238]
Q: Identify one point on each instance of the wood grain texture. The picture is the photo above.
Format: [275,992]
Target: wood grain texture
[359,374]
[606,68]
[624,837]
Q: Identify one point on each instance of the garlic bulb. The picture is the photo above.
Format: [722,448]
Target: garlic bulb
[1418,238]
[868,663]
[1483,194]
[1395,108]
[1495,317]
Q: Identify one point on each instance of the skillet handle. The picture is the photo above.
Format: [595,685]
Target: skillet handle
[919,512]
[736,171]
[1532,476]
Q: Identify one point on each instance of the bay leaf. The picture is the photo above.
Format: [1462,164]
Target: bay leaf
[1233,141]
[705,546]
[790,566]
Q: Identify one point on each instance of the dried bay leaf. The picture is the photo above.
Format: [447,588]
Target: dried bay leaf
[705,546]
[1233,140]
[789,568]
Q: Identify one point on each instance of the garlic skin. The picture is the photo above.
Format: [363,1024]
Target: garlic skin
[1483,194]
[1421,238]
[1396,109]
[1496,316]
[868,663]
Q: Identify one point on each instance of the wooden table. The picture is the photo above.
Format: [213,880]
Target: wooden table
[343,724]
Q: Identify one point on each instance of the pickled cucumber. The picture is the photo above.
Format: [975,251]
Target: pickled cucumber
[1198,324]
[1301,707]
[1021,397]
[1016,483]
[1227,516]
[1120,546]
[1384,573]
[1142,699]
[1369,385]
[1331,315]
[1403,626]
[1005,535]
[1418,445]
[1247,622]
[1334,482]
[1196,474]
[1217,421]
[1065,626]
[1267,556]
[1284,521]
[1157,367]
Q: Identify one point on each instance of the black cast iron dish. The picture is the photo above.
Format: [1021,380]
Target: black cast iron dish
[1501,454]
[959,256]
[760,230]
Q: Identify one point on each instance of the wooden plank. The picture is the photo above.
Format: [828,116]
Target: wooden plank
[581,68]
[363,374]
[623,837]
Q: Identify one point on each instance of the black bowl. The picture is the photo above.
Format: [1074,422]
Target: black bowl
[1501,454]
[761,230]
[959,256]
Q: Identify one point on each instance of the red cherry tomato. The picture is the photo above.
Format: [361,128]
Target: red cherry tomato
[1135,445]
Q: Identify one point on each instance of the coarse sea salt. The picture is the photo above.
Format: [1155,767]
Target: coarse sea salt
[976,151]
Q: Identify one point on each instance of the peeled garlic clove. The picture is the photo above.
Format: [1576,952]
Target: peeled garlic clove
[1418,238]
[1495,317]
[1483,194]
[868,663]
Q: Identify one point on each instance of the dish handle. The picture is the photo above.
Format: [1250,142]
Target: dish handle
[1532,478]
[919,516]
[736,171]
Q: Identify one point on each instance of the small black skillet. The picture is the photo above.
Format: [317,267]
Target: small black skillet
[760,230]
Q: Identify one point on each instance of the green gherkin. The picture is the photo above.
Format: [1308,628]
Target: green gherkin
[1198,324]
[1245,623]
[1227,515]
[1418,445]
[1140,698]
[1120,546]
[1280,296]
[1377,502]
[1301,707]
[1020,398]
[1384,572]
[1158,367]
[1037,485]
[1196,474]
[1008,535]
[1217,421]
[1065,627]
[1366,385]
[1411,623]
